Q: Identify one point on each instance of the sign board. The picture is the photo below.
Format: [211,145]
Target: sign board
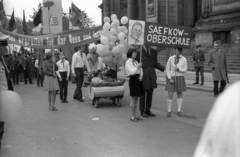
[156,34]
[76,37]
[52,16]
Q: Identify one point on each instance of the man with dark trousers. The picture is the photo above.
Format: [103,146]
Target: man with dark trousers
[26,68]
[149,80]
[63,76]
[79,60]
[14,71]
[199,59]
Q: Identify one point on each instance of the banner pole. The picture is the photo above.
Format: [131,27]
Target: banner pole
[141,54]
[53,53]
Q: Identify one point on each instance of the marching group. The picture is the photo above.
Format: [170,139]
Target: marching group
[142,76]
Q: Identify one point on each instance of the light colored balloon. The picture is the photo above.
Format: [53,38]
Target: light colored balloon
[101,53]
[10,105]
[106,47]
[100,47]
[115,50]
[104,40]
[112,38]
[106,19]
[108,53]
[111,44]
[113,31]
[124,20]
[106,33]
[121,48]
[124,28]
[113,17]
[121,36]
[116,23]
[115,61]
[119,29]
[120,62]
[109,58]
[126,32]
[107,25]
[124,57]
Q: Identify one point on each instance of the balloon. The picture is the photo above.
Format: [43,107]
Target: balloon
[113,31]
[106,47]
[104,40]
[101,54]
[120,62]
[126,32]
[124,20]
[113,17]
[10,105]
[107,25]
[106,19]
[115,61]
[112,38]
[116,23]
[103,59]
[124,28]
[115,50]
[121,36]
[124,57]
[106,33]
[100,47]
[121,48]
[109,58]
[108,53]
[111,44]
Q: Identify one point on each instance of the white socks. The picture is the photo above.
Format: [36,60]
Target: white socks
[179,102]
[169,103]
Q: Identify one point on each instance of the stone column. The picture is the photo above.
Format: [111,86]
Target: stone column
[132,9]
[142,10]
[189,12]
[106,8]
[115,8]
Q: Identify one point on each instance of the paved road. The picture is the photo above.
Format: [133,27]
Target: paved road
[72,132]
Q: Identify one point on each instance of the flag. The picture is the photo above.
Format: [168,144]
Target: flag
[2,11]
[12,22]
[24,24]
[38,18]
[68,50]
[77,14]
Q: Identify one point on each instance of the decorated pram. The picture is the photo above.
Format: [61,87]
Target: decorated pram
[111,88]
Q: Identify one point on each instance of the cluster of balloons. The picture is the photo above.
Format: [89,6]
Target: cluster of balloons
[114,47]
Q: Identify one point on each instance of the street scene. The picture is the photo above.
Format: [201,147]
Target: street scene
[119,78]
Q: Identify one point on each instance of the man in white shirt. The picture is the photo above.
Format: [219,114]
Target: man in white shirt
[63,75]
[79,60]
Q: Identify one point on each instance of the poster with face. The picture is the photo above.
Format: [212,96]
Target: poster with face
[136,32]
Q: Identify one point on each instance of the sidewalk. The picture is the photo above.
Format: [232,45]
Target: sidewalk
[190,78]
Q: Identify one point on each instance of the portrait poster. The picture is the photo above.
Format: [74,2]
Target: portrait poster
[151,8]
[136,32]
[52,16]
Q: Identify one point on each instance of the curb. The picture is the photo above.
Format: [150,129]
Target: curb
[204,89]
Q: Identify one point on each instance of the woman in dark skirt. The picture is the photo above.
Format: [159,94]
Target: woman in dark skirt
[175,69]
[134,71]
[50,81]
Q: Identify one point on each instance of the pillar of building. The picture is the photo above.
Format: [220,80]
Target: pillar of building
[189,12]
[132,9]
[106,8]
[142,10]
[115,8]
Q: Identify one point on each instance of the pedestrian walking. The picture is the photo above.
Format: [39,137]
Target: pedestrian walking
[15,70]
[149,80]
[50,81]
[134,72]
[199,59]
[79,60]
[217,60]
[175,69]
[63,76]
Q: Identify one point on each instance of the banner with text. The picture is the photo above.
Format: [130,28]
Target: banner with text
[167,35]
[156,34]
[76,37]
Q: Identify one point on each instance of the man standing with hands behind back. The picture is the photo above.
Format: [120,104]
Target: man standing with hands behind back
[63,75]
[79,60]
[149,80]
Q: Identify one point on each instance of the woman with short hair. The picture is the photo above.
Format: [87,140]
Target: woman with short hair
[134,72]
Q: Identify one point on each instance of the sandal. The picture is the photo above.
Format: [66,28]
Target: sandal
[51,108]
[138,118]
[169,114]
[134,119]
[54,109]
[179,114]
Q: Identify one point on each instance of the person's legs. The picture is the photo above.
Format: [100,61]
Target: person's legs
[179,102]
[50,100]
[149,102]
[54,100]
[61,90]
[197,75]
[133,109]
[81,77]
[65,90]
[169,103]
[25,76]
[222,86]
[215,88]
[202,76]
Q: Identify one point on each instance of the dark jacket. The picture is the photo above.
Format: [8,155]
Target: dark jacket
[198,58]
[48,68]
[149,63]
